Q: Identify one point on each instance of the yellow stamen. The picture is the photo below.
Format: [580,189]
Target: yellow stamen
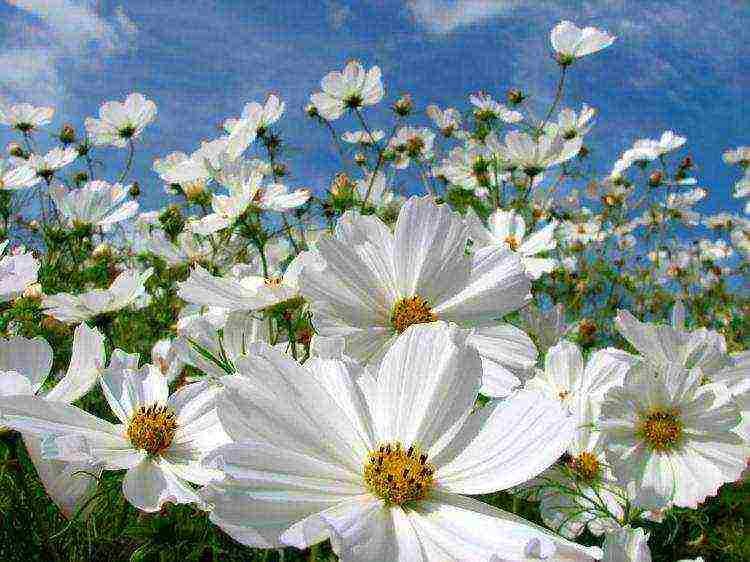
[411,310]
[397,475]
[152,428]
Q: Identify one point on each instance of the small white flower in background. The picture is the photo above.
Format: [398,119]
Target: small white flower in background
[533,157]
[244,291]
[411,142]
[571,124]
[160,439]
[24,367]
[487,108]
[17,177]
[626,545]
[98,203]
[381,464]
[56,159]
[353,88]
[507,229]
[372,284]
[363,137]
[547,326]
[25,117]
[570,42]
[17,272]
[737,156]
[663,427]
[128,287]
[448,120]
[121,122]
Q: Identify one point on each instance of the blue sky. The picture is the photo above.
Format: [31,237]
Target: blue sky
[681,64]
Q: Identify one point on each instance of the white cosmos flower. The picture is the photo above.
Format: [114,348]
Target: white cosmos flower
[352,88]
[17,271]
[535,156]
[56,159]
[487,108]
[98,203]
[570,42]
[121,122]
[24,366]
[626,545]
[381,465]
[565,378]
[246,291]
[25,117]
[663,427]
[375,284]
[363,137]
[507,229]
[17,177]
[160,439]
[447,120]
[128,287]
[411,142]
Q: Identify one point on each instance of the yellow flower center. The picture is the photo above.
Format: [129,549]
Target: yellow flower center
[152,428]
[512,242]
[585,466]
[411,310]
[398,475]
[662,429]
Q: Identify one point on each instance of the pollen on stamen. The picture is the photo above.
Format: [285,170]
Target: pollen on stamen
[409,311]
[661,429]
[152,428]
[398,475]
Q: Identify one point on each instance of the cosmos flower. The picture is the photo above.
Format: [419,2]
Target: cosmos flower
[160,439]
[98,204]
[17,271]
[353,88]
[507,229]
[121,122]
[381,465]
[17,177]
[663,427]
[570,42]
[127,288]
[374,284]
[25,117]
[25,365]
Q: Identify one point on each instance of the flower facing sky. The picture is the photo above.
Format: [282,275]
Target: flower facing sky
[373,284]
[381,465]
[351,89]
[160,439]
[121,122]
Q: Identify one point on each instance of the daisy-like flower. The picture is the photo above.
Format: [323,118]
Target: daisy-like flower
[507,229]
[353,88]
[373,284]
[738,156]
[160,439]
[25,365]
[56,159]
[533,157]
[17,177]
[25,117]
[663,427]
[127,288]
[626,545]
[363,137]
[571,124]
[447,120]
[381,466]
[98,204]
[246,291]
[486,108]
[570,42]
[17,271]
[411,142]
[121,122]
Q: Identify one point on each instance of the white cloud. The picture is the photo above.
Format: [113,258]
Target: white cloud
[49,31]
[443,16]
